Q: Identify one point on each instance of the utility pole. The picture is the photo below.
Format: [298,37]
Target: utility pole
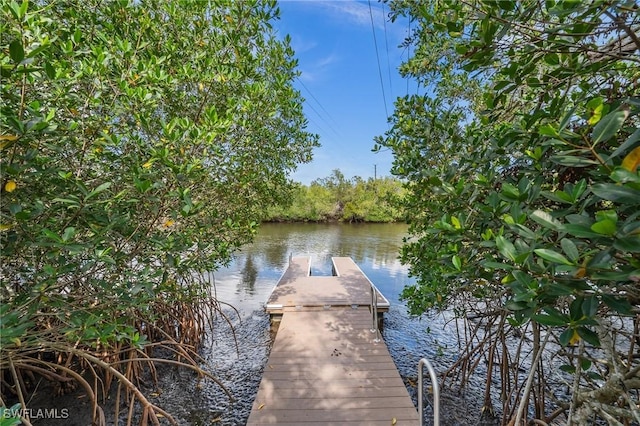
[375,172]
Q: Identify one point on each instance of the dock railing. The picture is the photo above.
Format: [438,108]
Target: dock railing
[374,309]
[436,392]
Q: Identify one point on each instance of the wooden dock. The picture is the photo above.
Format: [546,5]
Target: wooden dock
[326,366]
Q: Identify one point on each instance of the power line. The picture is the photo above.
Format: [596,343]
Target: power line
[386,43]
[375,42]
[321,118]
[408,51]
[321,107]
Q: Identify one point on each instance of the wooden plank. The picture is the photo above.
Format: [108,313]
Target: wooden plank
[369,392]
[335,403]
[326,368]
[341,413]
[318,291]
[345,267]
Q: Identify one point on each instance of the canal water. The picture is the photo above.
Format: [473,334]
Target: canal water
[238,358]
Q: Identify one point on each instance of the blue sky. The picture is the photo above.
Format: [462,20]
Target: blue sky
[340,81]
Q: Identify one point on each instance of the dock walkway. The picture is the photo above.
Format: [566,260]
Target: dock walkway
[326,366]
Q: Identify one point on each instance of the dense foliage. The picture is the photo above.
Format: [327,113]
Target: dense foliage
[521,164]
[140,142]
[336,198]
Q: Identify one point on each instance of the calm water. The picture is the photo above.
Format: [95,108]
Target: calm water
[247,282]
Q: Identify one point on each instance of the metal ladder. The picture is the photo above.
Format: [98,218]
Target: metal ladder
[436,392]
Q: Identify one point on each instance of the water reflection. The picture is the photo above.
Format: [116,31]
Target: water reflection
[250,277]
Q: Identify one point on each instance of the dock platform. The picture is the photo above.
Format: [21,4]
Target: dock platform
[327,366]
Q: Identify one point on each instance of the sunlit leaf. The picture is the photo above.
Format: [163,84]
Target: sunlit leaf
[608,126]
[506,248]
[605,227]
[456,262]
[456,222]
[596,107]
[552,256]
[546,220]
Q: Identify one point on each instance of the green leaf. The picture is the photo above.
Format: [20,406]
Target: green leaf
[548,130]
[575,309]
[604,227]
[68,234]
[553,317]
[16,51]
[100,188]
[558,196]
[546,220]
[506,248]
[631,140]
[568,368]
[628,244]
[595,106]
[23,8]
[566,336]
[552,59]
[585,364]
[14,7]
[512,305]
[616,193]
[578,189]
[607,215]
[522,277]
[524,232]
[572,161]
[590,306]
[52,235]
[608,126]
[580,231]
[621,175]
[589,336]
[618,304]
[70,201]
[456,262]
[49,70]
[594,376]
[497,265]
[552,256]
[570,249]
[455,222]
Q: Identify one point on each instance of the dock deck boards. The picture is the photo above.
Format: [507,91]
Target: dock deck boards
[325,367]
[298,288]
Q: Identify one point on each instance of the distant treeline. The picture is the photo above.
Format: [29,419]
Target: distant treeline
[336,198]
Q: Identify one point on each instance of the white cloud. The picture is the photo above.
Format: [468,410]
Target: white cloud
[349,11]
[318,68]
[355,12]
[300,45]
